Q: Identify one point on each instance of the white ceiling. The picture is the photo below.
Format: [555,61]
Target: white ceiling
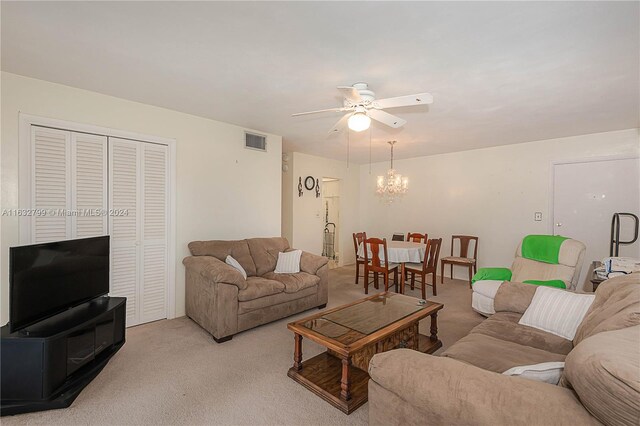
[500,73]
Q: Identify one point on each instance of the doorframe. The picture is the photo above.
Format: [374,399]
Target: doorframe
[554,163]
[340,208]
[24,182]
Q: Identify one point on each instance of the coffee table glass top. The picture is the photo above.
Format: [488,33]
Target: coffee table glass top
[366,317]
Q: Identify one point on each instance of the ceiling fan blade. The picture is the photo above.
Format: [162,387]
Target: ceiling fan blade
[320,110]
[340,125]
[400,101]
[386,118]
[350,93]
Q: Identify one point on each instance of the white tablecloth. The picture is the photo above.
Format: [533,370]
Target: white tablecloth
[400,252]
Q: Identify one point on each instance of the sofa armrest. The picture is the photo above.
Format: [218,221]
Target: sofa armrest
[311,263]
[514,297]
[446,391]
[211,294]
[215,270]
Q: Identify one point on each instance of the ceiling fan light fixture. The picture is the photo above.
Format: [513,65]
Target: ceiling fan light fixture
[359,121]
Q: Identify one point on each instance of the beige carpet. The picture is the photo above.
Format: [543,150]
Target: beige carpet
[172,372]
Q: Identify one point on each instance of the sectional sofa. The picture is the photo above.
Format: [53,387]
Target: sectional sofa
[600,383]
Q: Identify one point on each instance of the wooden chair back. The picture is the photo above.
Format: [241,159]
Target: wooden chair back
[358,238]
[465,241]
[372,254]
[416,237]
[431,254]
[397,237]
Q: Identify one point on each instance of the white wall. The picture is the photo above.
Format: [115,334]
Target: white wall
[306,213]
[492,193]
[224,191]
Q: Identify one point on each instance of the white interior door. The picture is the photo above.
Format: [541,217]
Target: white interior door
[124,224]
[68,185]
[50,184]
[585,197]
[89,185]
[138,226]
[154,232]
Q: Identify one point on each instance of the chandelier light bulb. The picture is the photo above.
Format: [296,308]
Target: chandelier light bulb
[359,121]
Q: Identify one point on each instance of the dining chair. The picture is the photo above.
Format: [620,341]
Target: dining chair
[374,264]
[463,259]
[397,237]
[428,266]
[416,237]
[358,238]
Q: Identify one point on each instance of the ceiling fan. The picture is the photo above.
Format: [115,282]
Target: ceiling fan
[362,106]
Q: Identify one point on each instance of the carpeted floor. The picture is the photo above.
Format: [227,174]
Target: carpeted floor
[172,372]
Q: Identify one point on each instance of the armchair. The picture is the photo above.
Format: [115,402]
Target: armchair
[539,260]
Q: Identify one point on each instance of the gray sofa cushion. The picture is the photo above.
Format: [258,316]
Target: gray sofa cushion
[239,250]
[264,252]
[258,287]
[504,326]
[274,299]
[616,306]
[497,355]
[294,282]
[604,370]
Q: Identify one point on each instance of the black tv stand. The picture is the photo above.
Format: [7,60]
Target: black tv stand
[46,365]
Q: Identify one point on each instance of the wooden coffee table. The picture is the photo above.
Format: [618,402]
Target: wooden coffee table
[353,334]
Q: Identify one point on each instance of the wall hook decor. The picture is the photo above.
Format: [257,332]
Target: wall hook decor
[317,188]
[300,187]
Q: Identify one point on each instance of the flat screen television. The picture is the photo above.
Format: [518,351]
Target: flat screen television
[46,279]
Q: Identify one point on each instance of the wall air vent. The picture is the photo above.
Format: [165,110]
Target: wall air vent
[253,141]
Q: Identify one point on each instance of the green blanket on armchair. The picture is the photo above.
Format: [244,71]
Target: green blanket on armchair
[541,248]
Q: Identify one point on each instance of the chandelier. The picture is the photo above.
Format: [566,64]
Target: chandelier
[393,185]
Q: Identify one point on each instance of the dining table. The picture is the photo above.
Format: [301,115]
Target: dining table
[399,252]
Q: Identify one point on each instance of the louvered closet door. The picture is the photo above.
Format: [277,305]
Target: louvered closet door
[154,232]
[124,181]
[89,183]
[50,184]
[139,241]
[69,180]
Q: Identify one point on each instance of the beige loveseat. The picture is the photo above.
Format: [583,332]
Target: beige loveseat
[224,303]
[600,384]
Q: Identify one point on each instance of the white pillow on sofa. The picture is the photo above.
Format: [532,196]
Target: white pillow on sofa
[232,262]
[289,262]
[556,311]
[547,372]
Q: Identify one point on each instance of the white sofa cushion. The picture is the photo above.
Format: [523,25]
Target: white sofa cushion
[232,262]
[556,311]
[547,372]
[289,262]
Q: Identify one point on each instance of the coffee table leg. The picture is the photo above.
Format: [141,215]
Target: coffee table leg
[297,354]
[345,383]
[434,326]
